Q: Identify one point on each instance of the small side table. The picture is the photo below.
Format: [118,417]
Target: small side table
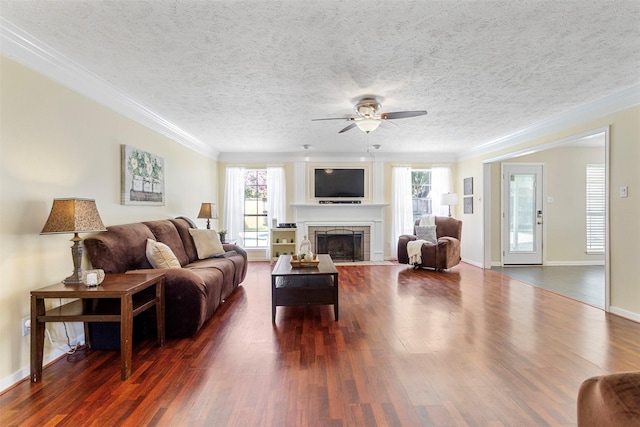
[122,288]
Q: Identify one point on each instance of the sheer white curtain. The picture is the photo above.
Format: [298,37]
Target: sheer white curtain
[234,203]
[276,198]
[402,206]
[440,183]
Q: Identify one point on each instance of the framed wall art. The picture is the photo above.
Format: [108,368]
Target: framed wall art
[142,177]
[468,186]
[468,205]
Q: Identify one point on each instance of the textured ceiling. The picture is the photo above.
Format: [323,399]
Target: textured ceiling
[250,75]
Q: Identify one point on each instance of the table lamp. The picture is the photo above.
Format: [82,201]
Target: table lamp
[208,211]
[74,215]
[449,199]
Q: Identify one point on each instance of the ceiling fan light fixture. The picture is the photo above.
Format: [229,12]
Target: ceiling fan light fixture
[368,125]
[367,108]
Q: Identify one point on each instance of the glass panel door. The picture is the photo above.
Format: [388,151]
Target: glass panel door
[522,214]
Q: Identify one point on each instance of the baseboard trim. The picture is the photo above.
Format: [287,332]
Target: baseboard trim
[630,315]
[24,373]
[553,264]
[472,262]
[572,263]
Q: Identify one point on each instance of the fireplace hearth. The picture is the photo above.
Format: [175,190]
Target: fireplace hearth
[340,244]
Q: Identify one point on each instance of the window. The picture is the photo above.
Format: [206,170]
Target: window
[256,232]
[420,189]
[596,201]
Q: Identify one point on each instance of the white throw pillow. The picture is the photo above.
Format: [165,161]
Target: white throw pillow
[207,242]
[427,232]
[161,255]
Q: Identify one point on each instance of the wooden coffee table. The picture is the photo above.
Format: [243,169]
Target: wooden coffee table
[304,286]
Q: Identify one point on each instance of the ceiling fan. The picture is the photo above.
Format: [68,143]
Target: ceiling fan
[367,118]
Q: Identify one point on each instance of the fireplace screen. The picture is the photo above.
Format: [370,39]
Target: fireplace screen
[342,245]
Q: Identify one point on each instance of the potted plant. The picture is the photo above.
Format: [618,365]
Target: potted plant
[223,235]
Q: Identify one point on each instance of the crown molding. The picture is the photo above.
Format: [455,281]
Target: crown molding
[319,156]
[31,52]
[610,104]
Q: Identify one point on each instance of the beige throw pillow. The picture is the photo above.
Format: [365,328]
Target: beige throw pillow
[161,255]
[207,242]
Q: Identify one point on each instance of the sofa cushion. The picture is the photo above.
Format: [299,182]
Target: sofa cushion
[120,248]
[426,232]
[207,242]
[183,225]
[160,255]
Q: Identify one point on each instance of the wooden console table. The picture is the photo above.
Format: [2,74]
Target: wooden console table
[304,286]
[123,289]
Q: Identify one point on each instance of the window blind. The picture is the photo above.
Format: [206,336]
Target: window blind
[596,205]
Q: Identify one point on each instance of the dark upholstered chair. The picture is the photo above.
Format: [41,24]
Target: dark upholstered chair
[610,400]
[443,254]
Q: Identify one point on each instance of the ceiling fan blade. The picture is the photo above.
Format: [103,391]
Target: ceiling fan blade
[333,118]
[402,114]
[351,126]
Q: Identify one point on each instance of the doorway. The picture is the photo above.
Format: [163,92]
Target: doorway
[522,189]
[557,200]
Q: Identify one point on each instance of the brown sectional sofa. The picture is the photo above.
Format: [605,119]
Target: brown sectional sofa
[193,292]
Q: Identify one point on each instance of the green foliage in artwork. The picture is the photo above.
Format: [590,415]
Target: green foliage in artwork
[141,163]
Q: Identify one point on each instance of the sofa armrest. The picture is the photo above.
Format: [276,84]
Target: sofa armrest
[231,247]
[611,400]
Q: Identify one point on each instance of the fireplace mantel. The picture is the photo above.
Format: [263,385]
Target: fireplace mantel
[338,214]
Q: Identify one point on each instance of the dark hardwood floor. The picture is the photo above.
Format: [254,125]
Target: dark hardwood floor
[465,347]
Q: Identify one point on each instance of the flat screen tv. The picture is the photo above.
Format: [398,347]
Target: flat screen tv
[335,183]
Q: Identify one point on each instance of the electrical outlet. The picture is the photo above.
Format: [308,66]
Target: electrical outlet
[26,326]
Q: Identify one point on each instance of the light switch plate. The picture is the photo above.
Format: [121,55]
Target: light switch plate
[624,191]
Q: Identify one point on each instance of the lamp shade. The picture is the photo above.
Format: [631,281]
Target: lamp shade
[368,125]
[208,211]
[449,199]
[73,215]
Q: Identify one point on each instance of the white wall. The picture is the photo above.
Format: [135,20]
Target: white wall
[56,143]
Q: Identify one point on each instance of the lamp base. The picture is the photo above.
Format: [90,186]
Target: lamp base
[76,253]
[73,279]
